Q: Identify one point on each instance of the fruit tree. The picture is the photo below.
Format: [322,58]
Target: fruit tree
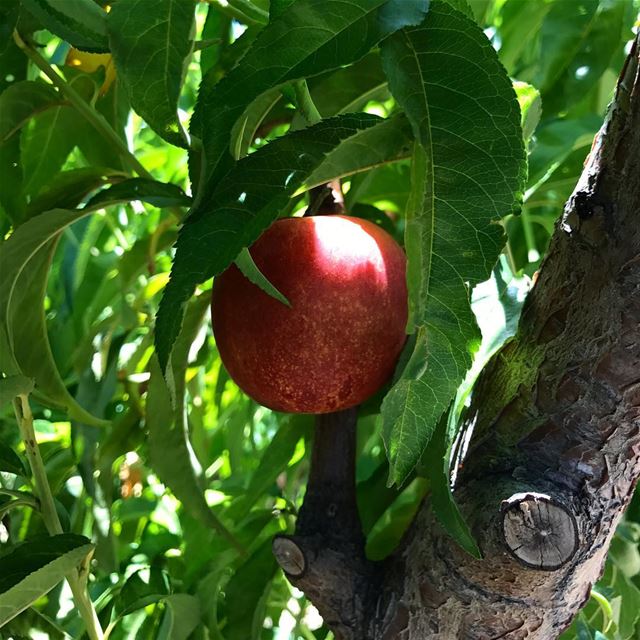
[319,319]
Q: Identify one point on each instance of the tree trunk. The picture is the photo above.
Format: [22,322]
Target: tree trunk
[554,450]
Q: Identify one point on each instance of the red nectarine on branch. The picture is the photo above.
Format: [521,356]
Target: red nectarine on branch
[339,340]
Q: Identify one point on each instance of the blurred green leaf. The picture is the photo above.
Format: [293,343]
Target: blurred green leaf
[14,386]
[143,588]
[150,57]
[181,617]
[170,450]
[22,101]
[469,171]
[274,460]
[530,107]
[35,567]
[24,262]
[245,590]
[577,41]
[68,189]
[45,145]
[10,461]
[436,463]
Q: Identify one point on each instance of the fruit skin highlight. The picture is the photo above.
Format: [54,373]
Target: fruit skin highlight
[339,341]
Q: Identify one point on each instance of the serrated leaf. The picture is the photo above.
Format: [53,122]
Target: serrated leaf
[388,141]
[242,206]
[81,23]
[310,37]
[170,451]
[10,461]
[252,272]
[468,172]
[35,567]
[24,345]
[151,41]
[158,194]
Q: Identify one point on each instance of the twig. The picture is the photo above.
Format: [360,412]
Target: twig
[49,513]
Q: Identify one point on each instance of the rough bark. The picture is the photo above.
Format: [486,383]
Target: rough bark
[554,450]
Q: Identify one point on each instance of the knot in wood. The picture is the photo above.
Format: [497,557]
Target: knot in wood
[289,556]
[539,531]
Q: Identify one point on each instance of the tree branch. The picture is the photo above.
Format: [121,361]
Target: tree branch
[325,558]
[555,421]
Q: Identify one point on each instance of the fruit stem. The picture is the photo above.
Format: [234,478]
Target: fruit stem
[50,515]
[330,507]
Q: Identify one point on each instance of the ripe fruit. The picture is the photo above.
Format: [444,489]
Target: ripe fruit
[339,341]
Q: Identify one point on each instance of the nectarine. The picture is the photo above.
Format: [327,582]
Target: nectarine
[339,341]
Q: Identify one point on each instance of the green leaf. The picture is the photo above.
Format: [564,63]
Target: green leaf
[530,107]
[577,42]
[13,202]
[468,172]
[555,140]
[243,205]
[22,101]
[310,37]
[388,141]
[10,461]
[274,460]
[34,568]
[82,23]
[251,272]
[13,386]
[217,26]
[245,128]
[170,450]
[437,463]
[68,189]
[278,8]
[151,42]
[19,103]
[520,24]
[181,617]
[25,259]
[245,590]
[158,194]
[143,588]
[348,89]
[46,143]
